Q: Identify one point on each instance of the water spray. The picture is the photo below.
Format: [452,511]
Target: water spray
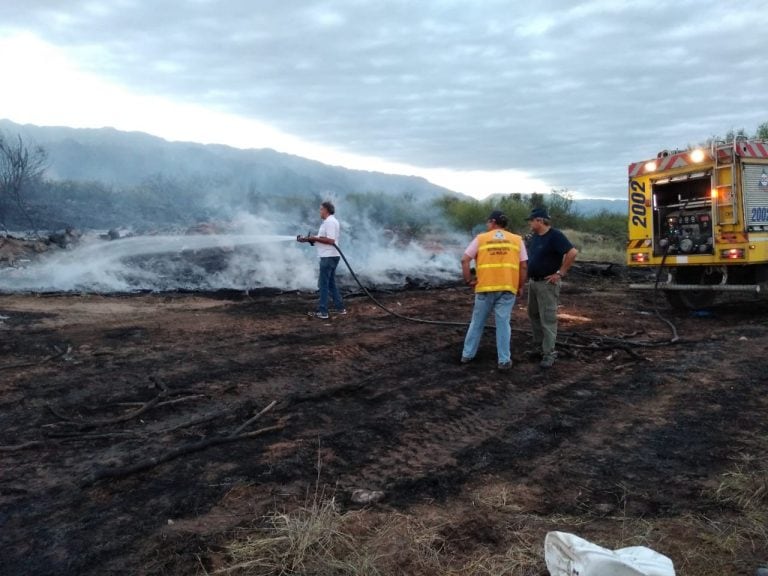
[95,265]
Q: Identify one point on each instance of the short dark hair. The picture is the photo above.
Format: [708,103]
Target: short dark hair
[328,205]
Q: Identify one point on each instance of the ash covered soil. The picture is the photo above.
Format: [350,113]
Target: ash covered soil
[129,444]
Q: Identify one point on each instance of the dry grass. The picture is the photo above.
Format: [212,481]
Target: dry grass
[319,539]
[322,541]
[745,487]
[309,540]
[739,533]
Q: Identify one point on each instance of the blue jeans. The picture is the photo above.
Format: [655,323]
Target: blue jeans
[501,304]
[326,283]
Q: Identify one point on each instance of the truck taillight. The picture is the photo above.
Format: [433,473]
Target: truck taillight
[732,253]
[640,257]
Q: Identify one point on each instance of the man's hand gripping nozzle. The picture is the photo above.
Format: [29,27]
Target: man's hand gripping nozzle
[306,238]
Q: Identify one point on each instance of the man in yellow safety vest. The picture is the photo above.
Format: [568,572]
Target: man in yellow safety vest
[501,264]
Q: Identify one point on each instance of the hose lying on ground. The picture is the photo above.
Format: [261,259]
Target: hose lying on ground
[616,341]
[387,310]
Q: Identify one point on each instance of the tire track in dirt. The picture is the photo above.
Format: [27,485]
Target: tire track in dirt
[412,429]
[638,436]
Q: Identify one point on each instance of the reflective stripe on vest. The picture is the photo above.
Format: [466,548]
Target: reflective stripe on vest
[498,261]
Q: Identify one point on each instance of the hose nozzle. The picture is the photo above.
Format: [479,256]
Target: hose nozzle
[301,238]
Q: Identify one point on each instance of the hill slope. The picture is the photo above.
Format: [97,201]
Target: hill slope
[110,171]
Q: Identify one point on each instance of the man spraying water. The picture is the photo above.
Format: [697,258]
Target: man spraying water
[325,241]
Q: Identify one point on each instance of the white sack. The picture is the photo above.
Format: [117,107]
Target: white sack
[569,555]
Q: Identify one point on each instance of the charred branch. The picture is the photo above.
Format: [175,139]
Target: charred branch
[151,462]
[159,400]
[59,354]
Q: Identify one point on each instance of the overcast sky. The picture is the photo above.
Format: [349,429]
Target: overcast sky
[479,96]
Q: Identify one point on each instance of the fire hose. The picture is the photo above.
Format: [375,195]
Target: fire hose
[373,298]
[672,327]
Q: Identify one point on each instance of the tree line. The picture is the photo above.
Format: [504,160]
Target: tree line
[466,215]
[28,200]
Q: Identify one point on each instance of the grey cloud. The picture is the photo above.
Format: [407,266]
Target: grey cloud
[569,93]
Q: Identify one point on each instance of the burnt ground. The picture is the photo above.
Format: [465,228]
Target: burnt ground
[126,447]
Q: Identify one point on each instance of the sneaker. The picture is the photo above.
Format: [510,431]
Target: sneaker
[504,366]
[465,360]
[547,361]
[319,315]
[341,312]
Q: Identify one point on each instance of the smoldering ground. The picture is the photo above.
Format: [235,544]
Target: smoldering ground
[247,252]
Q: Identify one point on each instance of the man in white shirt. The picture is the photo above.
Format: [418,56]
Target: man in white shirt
[326,239]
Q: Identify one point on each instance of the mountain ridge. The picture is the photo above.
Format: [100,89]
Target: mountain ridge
[66,147]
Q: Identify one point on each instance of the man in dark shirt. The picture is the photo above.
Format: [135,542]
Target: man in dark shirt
[550,256]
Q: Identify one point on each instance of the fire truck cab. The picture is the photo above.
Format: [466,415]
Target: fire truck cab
[700,216]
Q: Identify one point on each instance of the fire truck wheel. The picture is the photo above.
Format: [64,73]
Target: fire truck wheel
[694,299]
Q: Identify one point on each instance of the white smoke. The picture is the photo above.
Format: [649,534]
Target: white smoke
[252,252]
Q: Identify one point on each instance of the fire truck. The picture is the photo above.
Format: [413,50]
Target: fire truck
[700,218]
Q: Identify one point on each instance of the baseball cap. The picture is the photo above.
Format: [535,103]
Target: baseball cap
[538,213]
[496,215]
